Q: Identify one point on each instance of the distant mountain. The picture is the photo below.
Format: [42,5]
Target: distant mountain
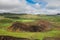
[58,13]
[12,13]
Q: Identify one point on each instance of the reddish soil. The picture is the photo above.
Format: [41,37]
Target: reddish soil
[37,26]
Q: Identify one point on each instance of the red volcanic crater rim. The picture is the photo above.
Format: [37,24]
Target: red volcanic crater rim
[37,26]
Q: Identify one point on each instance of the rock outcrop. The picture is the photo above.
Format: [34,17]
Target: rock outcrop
[37,26]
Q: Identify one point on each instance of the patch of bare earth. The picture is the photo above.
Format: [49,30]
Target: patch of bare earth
[37,26]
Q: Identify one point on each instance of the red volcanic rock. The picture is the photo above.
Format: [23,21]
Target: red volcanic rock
[44,25]
[37,26]
[18,26]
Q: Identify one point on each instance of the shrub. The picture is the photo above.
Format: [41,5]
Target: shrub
[5,21]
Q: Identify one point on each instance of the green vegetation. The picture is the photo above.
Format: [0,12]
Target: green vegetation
[34,35]
[5,22]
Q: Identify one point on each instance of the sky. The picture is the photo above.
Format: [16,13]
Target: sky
[30,6]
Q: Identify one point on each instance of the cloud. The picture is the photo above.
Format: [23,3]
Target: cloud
[8,4]
[53,3]
[22,6]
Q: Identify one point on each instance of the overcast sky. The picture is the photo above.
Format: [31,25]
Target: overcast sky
[30,6]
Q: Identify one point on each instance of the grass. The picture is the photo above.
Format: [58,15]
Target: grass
[25,20]
[6,22]
[34,35]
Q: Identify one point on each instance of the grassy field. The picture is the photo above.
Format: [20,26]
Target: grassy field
[32,35]
[6,22]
